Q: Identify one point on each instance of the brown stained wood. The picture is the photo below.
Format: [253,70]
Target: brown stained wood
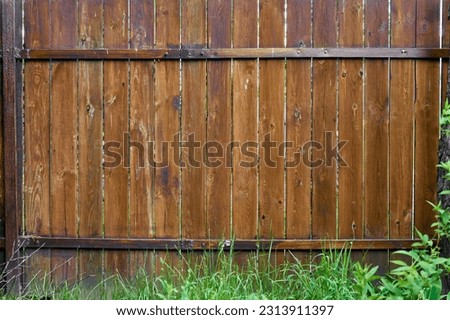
[63,154]
[233,53]
[90,126]
[116,117]
[298,132]
[324,120]
[90,114]
[445,25]
[63,138]
[427,128]
[245,201]
[12,139]
[271,124]
[90,21]
[376,130]
[401,123]
[193,123]
[350,104]
[426,117]
[173,245]
[90,267]
[37,24]
[37,113]
[142,122]
[167,24]
[64,266]
[37,135]
[142,132]
[142,24]
[117,262]
[219,121]
[2,168]
[167,112]
[63,30]
[298,123]
[37,266]
[116,24]
[142,261]
[298,23]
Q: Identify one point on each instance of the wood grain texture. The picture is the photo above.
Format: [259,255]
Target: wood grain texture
[426,116]
[167,126]
[116,113]
[90,130]
[298,124]
[401,123]
[193,123]
[142,24]
[324,120]
[271,124]
[245,201]
[37,113]
[63,124]
[37,24]
[219,121]
[90,118]
[63,139]
[2,166]
[37,134]
[350,101]
[376,130]
[142,123]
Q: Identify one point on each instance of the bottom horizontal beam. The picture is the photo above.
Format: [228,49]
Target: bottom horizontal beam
[199,244]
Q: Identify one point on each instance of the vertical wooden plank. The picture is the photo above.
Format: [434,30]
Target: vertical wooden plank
[64,266]
[90,267]
[298,123]
[37,113]
[37,133]
[37,24]
[142,124]
[167,126]
[2,171]
[12,134]
[63,138]
[37,267]
[193,122]
[376,118]
[324,120]
[142,24]
[271,123]
[401,122]
[37,136]
[90,119]
[219,125]
[245,203]
[115,86]
[426,115]
[350,101]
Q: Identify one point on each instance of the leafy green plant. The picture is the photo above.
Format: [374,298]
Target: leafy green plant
[421,279]
[445,118]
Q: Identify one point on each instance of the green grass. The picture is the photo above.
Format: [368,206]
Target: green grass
[332,275]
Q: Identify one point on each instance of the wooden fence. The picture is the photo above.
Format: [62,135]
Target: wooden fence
[97,81]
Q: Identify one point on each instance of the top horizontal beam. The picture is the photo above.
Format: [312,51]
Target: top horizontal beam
[234,53]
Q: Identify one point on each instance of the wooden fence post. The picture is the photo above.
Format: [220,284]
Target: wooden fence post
[12,132]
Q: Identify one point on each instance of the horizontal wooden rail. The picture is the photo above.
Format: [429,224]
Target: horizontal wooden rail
[234,53]
[198,244]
